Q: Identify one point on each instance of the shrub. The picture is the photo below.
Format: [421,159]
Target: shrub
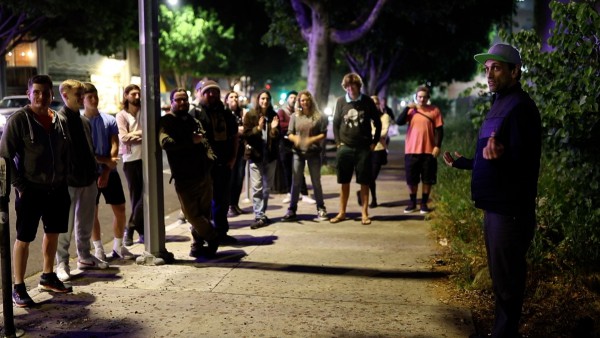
[564,83]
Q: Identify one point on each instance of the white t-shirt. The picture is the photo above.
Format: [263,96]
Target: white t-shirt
[130,147]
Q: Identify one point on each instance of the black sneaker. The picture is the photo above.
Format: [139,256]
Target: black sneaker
[197,251]
[212,246]
[128,238]
[290,216]
[50,282]
[260,223]
[410,208]
[373,204]
[425,209]
[231,212]
[21,298]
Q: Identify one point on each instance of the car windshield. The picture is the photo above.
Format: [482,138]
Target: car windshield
[9,102]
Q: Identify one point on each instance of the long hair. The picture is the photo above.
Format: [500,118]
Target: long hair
[125,103]
[258,108]
[314,111]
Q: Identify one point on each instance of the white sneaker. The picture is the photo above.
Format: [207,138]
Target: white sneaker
[322,215]
[100,254]
[287,198]
[122,253]
[63,272]
[91,263]
[307,199]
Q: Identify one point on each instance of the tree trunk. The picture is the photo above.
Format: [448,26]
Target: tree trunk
[319,63]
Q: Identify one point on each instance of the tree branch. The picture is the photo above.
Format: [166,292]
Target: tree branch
[14,29]
[347,36]
[302,18]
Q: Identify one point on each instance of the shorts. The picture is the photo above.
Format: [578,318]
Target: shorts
[113,192]
[51,206]
[420,168]
[350,160]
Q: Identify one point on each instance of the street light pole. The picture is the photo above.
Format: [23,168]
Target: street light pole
[154,220]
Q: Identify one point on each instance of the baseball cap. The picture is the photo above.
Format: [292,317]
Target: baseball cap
[206,85]
[500,52]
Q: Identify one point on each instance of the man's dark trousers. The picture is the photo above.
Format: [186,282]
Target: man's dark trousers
[507,239]
[221,175]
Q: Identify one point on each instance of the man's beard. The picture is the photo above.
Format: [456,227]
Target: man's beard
[136,102]
[180,113]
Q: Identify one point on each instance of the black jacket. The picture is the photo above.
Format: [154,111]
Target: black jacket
[187,159]
[253,137]
[82,166]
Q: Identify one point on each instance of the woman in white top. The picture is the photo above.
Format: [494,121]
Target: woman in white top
[130,139]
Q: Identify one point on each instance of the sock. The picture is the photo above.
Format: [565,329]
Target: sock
[98,245]
[413,199]
[424,199]
[117,243]
[19,287]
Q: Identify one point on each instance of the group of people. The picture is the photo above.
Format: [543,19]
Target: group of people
[504,170]
[61,162]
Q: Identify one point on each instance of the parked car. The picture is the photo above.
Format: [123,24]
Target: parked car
[10,104]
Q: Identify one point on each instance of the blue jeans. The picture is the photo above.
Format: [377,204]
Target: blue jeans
[259,181]
[314,168]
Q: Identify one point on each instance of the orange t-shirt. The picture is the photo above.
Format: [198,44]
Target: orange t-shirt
[420,134]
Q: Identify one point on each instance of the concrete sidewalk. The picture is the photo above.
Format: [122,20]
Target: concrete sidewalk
[301,279]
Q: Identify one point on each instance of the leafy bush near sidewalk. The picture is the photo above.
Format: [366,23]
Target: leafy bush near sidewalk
[564,83]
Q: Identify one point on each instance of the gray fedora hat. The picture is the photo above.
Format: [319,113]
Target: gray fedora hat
[500,52]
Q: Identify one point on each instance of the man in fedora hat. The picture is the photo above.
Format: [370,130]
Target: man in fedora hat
[504,179]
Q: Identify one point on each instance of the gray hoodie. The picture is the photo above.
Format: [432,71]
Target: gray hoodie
[38,158]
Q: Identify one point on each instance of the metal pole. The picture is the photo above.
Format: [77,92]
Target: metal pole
[154,219]
[7,305]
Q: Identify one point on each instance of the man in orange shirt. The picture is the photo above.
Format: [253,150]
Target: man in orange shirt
[422,147]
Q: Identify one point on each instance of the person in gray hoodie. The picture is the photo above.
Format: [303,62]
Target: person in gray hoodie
[35,144]
[81,179]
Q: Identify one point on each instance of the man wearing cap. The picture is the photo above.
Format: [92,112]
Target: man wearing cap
[504,181]
[222,134]
[190,159]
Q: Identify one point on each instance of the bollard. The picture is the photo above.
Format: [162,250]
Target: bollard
[7,305]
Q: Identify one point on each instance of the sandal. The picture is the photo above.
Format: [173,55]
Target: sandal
[365,221]
[337,219]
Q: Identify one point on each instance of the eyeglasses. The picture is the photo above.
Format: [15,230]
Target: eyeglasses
[180,100]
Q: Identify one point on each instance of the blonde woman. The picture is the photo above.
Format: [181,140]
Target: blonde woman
[307,130]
